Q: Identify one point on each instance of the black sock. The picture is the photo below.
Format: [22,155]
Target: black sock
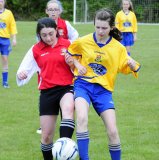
[47,151]
[67,128]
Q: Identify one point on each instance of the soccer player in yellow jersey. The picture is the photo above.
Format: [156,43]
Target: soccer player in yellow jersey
[7,29]
[100,58]
[126,22]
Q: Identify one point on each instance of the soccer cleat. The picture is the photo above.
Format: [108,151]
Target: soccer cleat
[5,85]
[39,131]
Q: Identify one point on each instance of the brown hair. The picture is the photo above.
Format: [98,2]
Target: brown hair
[106,14]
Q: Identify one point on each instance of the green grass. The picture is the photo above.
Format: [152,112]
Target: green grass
[136,102]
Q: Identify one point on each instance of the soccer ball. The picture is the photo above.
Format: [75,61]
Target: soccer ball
[64,149]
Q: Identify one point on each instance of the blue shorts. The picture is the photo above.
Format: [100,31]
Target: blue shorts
[93,92]
[127,39]
[5,46]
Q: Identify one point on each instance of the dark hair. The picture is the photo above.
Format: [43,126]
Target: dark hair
[106,14]
[45,22]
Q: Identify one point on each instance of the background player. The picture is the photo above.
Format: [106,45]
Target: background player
[7,29]
[126,22]
[65,29]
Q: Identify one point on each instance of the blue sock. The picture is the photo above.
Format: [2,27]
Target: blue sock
[83,143]
[115,151]
[5,77]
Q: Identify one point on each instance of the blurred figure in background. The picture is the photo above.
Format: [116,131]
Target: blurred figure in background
[126,22]
[7,30]
[65,29]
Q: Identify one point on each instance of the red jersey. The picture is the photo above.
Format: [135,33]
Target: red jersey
[62,28]
[53,69]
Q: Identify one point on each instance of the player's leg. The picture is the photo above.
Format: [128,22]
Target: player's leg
[48,109]
[129,41]
[5,71]
[48,124]
[67,115]
[82,134]
[109,119]
[5,50]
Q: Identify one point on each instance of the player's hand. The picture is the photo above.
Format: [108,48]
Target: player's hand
[22,75]
[81,70]
[131,64]
[14,42]
[69,59]
[135,37]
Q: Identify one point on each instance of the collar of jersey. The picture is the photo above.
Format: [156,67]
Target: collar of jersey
[100,44]
[42,45]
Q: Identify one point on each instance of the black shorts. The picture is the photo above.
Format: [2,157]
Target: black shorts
[49,101]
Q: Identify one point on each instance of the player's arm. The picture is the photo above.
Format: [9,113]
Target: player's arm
[74,63]
[117,21]
[13,29]
[26,69]
[14,40]
[72,32]
[134,27]
[134,66]
[128,64]
[70,61]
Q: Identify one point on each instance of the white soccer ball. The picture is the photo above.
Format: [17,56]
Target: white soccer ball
[64,149]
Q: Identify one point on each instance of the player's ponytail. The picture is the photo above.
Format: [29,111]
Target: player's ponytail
[116,34]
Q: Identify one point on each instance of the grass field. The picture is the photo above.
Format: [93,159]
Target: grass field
[136,102]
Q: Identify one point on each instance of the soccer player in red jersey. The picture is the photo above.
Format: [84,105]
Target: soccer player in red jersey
[65,29]
[55,84]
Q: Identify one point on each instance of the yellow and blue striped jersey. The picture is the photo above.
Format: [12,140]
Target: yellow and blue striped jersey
[102,62]
[126,23]
[7,24]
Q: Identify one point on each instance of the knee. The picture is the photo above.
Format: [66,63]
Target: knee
[113,134]
[46,138]
[68,111]
[82,122]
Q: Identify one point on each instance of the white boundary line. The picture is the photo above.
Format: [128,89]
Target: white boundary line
[155,24]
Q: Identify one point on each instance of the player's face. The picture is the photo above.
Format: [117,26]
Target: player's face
[2,3]
[102,29]
[48,36]
[126,5]
[53,11]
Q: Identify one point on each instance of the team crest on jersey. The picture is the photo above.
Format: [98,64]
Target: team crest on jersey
[61,32]
[98,69]
[127,24]
[98,58]
[63,51]
[2,24]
